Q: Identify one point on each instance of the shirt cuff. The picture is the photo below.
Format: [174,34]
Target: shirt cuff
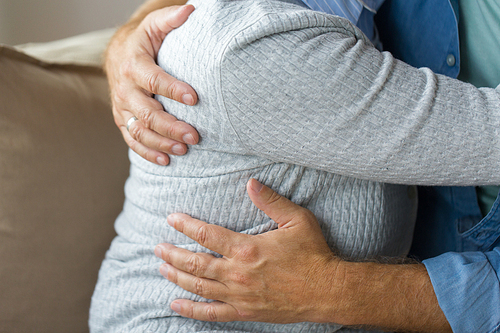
[467,287]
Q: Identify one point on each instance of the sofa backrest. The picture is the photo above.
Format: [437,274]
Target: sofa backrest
[63,165]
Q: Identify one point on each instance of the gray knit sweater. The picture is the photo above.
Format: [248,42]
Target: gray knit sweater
[301,101]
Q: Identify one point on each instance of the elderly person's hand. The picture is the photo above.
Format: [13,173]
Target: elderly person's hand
[134,78]
[254,268]
[291,275]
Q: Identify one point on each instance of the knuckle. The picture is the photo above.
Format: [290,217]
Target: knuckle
[248,252]
[190,311]
[151,82]
[193,265]
[126,69]
[166,129]
[246,315]
[168,256]
[165,146]
[274,198]
[211,313]
[146,21]
[149,155]
[146,117]
[170,129]
[200,287]
[136,132]
[132,143]
[118,95]
[173,277]
[202,234]
[172,89]
[240,278]
[176,128]
[306,214]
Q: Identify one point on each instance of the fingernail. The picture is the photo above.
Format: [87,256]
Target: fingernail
[176,307]
[187,99]
[164,270]
[161,160]
[256,186]
[181,8]
[178,149]
[189,139]
[158,251]
[171,220]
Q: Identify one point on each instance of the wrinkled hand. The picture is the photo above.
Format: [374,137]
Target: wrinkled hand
[281,276]
[134,77]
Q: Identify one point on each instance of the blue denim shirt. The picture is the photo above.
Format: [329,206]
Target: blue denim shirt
[358,12]
[461,248]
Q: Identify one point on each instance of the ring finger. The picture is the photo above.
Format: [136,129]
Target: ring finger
[153,140]
[202,265]
[147,153]
[203,287]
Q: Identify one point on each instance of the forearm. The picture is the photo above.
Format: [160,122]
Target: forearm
[391,297]
[351,110]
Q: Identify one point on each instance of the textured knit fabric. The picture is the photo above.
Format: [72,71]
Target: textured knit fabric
[359,218]
[335,102]
[287,96]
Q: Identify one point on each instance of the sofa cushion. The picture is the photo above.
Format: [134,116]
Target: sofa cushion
[63,165]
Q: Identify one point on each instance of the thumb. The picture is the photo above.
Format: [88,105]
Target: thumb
[167,19]
[281,210]
[157,24]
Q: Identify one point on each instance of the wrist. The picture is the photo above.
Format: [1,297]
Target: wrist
[340,294]
[325,300]
[387,296]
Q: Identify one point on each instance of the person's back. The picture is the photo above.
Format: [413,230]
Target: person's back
[214,51]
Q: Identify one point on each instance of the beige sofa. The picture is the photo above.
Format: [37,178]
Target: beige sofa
[63,165]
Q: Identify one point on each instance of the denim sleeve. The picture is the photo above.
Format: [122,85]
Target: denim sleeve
[467,287]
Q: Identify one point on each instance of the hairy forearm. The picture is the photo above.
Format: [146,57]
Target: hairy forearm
[391,297]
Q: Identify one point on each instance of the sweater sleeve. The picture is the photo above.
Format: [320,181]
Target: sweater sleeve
[313,91]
